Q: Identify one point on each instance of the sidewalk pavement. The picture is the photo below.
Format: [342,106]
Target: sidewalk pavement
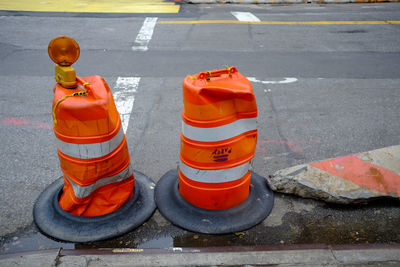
[300,255]
[284,1]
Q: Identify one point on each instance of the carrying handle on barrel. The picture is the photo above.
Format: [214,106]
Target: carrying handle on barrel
[216,73]
[87,90]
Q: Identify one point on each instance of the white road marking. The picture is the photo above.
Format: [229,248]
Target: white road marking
[286,80]
[145,34]
[372,6]
[315,7]
[245,16]
[124,96]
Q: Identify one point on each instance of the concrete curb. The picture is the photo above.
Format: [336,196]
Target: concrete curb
[373,255]
[284,1]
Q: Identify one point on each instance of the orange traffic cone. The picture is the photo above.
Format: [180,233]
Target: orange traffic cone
[214,190]
[100,190]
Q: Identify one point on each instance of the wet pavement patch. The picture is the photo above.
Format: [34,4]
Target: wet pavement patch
[293,221]
[28,239]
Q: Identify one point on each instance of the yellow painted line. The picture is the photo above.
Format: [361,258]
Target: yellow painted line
[91,6]
[279,22]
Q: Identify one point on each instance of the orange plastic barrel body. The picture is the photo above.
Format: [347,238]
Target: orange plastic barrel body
[92,149]
[218,139]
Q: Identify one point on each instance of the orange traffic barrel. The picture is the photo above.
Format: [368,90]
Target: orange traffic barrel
[99,195]
[214,189]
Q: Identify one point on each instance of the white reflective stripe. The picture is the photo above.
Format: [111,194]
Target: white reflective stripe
[214,176]
[84,191]
[88,151]
[219,133]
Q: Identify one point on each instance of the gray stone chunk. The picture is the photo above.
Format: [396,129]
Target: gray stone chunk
[309,182]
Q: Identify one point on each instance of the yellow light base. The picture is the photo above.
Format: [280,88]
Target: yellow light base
[66,76]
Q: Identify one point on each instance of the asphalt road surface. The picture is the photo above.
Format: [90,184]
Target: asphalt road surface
[323,90]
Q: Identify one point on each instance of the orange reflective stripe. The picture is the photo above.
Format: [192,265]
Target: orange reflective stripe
[87,171]
[219,196]
[228,153]
[222,109]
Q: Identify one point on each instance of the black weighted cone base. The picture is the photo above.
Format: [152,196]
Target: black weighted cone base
[55,222]
[244,216]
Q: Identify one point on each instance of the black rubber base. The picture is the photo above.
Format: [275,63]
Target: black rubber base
[181,213]
[57,223]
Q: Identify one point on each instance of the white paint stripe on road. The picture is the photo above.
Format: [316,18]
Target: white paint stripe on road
[286,80]
[145,34]
[244,16]
[124,96]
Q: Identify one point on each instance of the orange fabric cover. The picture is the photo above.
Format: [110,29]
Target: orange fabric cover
[213,99]
[90,119]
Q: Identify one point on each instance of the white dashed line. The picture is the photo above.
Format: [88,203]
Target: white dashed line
[145,34]
[124,96]
[286,80]
[245,16]
[372,6]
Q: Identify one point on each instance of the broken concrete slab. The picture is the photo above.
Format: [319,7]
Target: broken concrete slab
[349,179]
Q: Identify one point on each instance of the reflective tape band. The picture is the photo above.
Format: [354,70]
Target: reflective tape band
[220,133]
[88,151]
[84,191]
[214,176]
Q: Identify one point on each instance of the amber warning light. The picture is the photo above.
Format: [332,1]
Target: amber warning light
[64,51]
